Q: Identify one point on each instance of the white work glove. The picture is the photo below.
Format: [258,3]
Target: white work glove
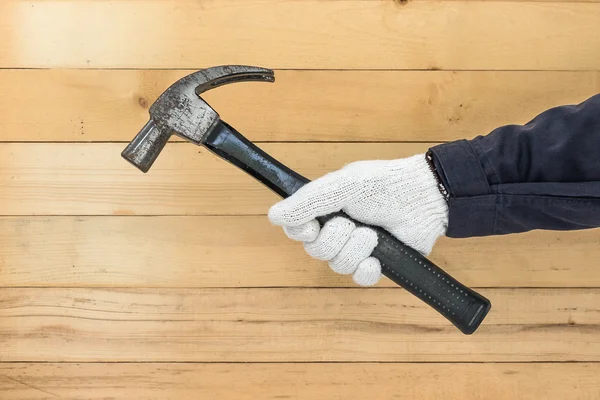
[401,196]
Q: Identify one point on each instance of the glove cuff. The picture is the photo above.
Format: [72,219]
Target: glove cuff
[426,213]
[437,176]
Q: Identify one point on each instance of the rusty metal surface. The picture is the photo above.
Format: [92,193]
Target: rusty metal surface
[181,111]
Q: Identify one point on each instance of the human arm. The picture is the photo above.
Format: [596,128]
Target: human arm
[541,175]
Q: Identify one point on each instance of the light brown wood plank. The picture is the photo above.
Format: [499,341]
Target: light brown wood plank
[290,325]
[249,252]
[301,381]
[92,178]
[311,34]
[111,105]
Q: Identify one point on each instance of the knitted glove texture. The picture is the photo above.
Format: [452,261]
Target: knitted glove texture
[400,196]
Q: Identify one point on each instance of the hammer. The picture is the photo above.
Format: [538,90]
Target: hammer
[181,111]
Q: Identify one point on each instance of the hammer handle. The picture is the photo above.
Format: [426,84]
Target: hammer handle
[408,268]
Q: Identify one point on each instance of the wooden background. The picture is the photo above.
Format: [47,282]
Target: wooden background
[173,285]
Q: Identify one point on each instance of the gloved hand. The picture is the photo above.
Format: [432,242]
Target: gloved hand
[401,196]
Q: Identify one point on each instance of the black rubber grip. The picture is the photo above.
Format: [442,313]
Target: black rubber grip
[462,306]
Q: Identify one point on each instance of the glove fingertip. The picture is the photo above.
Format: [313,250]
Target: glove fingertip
[307,232]
[275,213]
[368,272]
[279,214]
[289,213]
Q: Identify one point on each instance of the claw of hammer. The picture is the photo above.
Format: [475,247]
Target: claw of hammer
[181,111]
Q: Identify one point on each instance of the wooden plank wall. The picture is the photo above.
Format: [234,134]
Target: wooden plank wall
[173,285]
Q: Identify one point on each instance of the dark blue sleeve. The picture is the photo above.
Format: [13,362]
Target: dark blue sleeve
[541,175]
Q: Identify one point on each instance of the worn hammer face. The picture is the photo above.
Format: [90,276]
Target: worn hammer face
[181,111]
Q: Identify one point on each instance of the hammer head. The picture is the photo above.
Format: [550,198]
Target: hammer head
[181,111]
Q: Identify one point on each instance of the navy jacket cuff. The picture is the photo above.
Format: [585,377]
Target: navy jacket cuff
[472,206]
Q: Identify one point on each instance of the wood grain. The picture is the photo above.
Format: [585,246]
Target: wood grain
[93,179]
[285,325]
[112,105]
[173,285]
[312,34]
[300,381]
[249,252]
